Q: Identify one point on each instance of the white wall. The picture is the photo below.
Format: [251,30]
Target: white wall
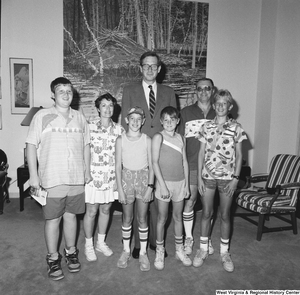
[253,51]
[30,29]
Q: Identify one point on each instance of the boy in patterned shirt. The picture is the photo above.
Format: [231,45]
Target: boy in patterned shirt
[219,166]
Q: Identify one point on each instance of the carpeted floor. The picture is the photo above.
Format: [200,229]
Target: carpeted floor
[272,263]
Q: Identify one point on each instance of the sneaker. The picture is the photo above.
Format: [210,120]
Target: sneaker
[72,261]
[89,252]
[188,246]
[181,255]
[54,268]
[227,262]
[103,248]
[144,262]
[122,262]
[159,262]
[199,258]
[211,249]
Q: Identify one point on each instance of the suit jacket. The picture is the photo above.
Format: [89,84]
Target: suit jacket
[133,95]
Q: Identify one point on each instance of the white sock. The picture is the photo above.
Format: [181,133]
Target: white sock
[188,221]
[101,238]
[89,242]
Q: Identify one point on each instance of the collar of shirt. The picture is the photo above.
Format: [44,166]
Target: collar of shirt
[105,129]
[147,90]
[227,124]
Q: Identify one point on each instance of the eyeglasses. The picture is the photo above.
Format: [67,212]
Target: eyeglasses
[205,88]
[148,67]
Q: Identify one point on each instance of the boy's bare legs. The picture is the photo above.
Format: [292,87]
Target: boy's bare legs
[70,251]
[52,234]
[53,257]
[188,218]
[178,231]
[188,221]
[153,206]
[69,229]
[225,205]
[142,217]
[163,209]
[135,226]
[127,218]
[177,217]
[205,225]
[162,217]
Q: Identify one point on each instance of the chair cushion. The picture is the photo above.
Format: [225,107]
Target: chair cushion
[262,209]
[259,202]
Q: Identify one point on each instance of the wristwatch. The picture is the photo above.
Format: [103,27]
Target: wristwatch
[236,177]
[151,185]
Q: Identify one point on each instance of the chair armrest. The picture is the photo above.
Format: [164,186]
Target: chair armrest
[255,178]
[283,186]
[291,185]
[260,177]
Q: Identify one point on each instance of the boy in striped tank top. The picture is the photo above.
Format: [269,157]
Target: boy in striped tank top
[171,171]
[135,177]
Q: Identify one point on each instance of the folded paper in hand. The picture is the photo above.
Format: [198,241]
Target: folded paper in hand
[40,195]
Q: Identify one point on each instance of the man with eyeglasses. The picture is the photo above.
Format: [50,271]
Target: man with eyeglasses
[192,117]
[152,97]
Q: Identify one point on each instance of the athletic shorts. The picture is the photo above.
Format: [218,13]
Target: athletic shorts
[176,189]
[64,198]
[134,183]
[216,183]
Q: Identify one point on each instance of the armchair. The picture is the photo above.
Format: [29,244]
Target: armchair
[277,198]
[3,180]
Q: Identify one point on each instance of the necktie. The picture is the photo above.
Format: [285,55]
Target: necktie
[151,101]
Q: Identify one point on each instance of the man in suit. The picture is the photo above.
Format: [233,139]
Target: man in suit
[139,94]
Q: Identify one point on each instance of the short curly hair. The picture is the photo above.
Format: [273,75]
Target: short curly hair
[106,96]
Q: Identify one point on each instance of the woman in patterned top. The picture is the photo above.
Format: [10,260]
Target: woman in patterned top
[102,190]
[219,166]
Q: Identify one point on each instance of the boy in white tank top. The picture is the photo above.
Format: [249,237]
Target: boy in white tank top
[135,178]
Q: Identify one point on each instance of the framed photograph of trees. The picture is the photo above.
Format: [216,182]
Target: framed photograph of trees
[21,85]
[104,39]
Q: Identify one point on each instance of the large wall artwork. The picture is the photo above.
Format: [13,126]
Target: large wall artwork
[104,39]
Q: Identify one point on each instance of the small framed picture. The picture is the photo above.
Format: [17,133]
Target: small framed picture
[21,83]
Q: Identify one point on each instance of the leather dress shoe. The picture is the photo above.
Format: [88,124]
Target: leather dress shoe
[154,249]
[136,253]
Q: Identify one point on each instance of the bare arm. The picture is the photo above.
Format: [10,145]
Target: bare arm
[148,194]
[34,180]
[201,186]
[122,199]
[87,160]
[156,145]
[232,185]
[185,169]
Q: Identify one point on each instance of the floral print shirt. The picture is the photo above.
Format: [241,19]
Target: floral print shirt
[103,142]
[219,158]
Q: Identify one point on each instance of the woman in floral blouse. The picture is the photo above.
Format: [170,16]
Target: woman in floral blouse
[102,190]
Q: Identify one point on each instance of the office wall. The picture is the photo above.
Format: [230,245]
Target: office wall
[253,50]
[30,29]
